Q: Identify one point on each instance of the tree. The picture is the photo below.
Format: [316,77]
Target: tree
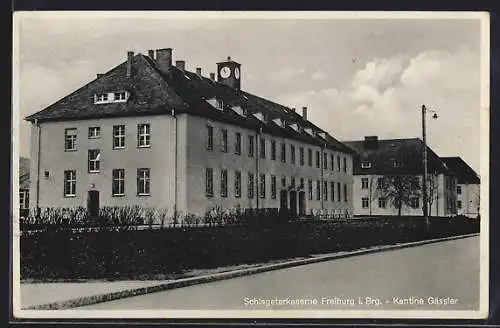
[433,193]
[399,189]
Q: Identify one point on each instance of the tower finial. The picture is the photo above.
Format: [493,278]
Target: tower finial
[228,57]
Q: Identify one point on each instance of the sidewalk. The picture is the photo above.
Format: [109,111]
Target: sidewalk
[56,296]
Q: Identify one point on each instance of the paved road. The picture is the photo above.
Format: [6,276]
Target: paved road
[446,270]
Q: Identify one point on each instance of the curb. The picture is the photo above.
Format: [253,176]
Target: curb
[185,282]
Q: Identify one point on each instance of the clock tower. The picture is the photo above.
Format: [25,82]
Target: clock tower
[228,73]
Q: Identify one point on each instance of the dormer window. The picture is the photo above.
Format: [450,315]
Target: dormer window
[111,97]
[396,164]
[217,103]
[260,116]
[280,122]
[322,134]
[101,98]
[295,127]
[309,131]
[240,111]
[366,165]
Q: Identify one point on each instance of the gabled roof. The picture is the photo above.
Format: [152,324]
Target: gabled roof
[406,152]
[153,92]
[465,173]
[24,173]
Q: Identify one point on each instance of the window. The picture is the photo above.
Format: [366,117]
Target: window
[331,162]
[24,197]
[118,136]
[209,181]
[283,182]
[100,98]
[94,156]
[382,202]
[237,184]
[283,152]
[459,204]
[250,185]
[70,139]
[364,202]
[273,150]
[301,156]
[396,164]
[262,148]
[380,183]
[415,202]
[364,183]
[210,137]
[237,144]
[273,187]
[366,165]
[459,190]
[332,191]
[338,163]
[143,135]
[251,146]
[223,183]
[345,164]
[223,141]
[345,192]
[292,154]
[325,161]
[317,158]
[310,188]
[143,182]
[120,96]
[262,185]
[118,186]
[70,183]
[318,190]
[292,182]
[94,132]
[325,190]
[338,192]
[219,104]
[301,183]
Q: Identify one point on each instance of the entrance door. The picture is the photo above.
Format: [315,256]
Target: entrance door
[283,203]
[302,203]
[93,204]
[293,203]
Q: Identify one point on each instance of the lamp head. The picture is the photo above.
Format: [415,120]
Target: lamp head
[435,116]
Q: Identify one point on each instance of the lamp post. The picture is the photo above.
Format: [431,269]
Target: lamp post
[425,207]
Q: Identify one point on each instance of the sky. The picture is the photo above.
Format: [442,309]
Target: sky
[357,76]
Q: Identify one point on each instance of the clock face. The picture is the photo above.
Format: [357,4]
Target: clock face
[237,72]
[224,72]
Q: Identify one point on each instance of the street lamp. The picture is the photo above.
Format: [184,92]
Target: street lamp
[424,191]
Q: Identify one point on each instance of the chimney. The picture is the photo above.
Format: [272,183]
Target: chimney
[304,113]
[212,76]
[99,75]
[293,109]
[198,71]
[164,60]
[180,64]
[130,54]
[151,54]
[371,142]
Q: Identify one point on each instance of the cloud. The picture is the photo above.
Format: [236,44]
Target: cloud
[319,75]
[385,96]
[287,73]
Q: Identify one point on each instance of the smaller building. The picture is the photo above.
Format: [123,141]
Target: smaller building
[390,172]
[468,186]
[24,186]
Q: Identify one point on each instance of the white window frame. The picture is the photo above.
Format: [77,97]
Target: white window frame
[94,162]
[119,133]
[120,179]
[237,184]
[366,165]
[273,187]
[24,199]
[413,201]
[459,190]
[101,98]
[209,182]
[143,182]
[365,202]
[210,137]
[364,183]
[251,185]
[144,135]
[70,182]
[382,202]
[122,96]
[262,185]
[223,183]
[94,132]
[70,135]
[223,140]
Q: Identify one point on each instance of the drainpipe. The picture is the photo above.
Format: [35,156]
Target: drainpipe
[38,169]
[175,165]
[257,155]
[322,193]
